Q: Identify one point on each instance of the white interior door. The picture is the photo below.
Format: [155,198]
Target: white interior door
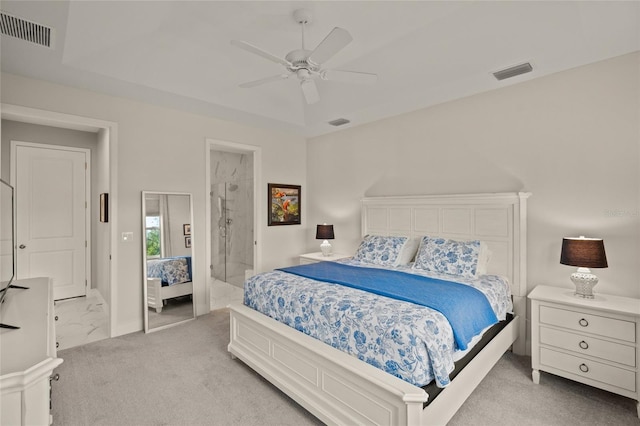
[52,213]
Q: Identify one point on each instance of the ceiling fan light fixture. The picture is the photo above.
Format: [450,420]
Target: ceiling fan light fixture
[303,74]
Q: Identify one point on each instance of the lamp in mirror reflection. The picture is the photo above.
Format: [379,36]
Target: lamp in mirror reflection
[584,253]
[325,232]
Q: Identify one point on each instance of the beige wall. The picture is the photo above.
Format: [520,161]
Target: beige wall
[164,150]
[572,139]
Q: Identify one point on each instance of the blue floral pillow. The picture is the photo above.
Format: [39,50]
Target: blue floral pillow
[380,250]
[448,256]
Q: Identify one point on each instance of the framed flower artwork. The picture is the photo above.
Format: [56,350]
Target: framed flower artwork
[284,204]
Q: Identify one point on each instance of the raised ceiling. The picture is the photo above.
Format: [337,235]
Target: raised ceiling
[178,53]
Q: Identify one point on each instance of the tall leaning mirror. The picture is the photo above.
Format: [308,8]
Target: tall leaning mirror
[167,259]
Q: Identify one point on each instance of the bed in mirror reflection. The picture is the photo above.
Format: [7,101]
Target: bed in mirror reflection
[167,259]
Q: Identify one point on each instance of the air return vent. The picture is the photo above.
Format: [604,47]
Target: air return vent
[339,122]
[25,30]
[513,71]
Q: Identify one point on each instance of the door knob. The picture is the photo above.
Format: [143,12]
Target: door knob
[22,246]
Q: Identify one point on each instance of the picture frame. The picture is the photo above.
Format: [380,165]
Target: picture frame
[186,229]
[187,242]
[284,204]
[104,207]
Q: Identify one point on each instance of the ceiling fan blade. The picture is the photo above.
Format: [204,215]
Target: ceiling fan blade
[350,76]
[335,41]
[264,80]
[256,50]
[310,91]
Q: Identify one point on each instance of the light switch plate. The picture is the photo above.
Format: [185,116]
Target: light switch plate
[127,236]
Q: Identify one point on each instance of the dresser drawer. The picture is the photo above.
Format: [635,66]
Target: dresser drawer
[593,370]
[588,323]
[585,345]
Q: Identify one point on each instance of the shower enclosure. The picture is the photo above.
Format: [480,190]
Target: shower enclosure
[232,231]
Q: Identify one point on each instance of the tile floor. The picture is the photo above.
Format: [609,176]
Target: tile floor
[81,320]
[85,319]
[223,293]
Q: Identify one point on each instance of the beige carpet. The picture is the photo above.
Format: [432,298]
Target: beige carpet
[184,376]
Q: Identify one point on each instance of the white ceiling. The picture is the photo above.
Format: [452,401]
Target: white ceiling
[178,53]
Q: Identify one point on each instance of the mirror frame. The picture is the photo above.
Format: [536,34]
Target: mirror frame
[145,308]
[6,284]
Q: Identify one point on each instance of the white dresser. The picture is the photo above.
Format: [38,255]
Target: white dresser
[592,341]
[319,257]
[28,354]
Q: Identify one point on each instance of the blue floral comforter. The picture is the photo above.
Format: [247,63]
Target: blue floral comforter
[170,270]
[412,342]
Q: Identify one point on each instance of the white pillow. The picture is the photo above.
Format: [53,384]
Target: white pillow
[408,251]
[483,259]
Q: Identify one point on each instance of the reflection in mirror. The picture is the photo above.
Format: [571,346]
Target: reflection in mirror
[167,259]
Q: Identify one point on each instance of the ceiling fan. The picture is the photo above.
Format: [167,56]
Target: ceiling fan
[306,65]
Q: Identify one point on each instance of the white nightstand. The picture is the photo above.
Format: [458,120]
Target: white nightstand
[592,341]
[319,257]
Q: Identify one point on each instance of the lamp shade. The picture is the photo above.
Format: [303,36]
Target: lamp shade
[583,252]
[324,232]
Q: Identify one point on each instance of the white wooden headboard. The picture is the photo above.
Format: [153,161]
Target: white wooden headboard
[499,219]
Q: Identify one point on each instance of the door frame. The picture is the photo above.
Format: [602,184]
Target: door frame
[107,132]
[258,194]
[15,144]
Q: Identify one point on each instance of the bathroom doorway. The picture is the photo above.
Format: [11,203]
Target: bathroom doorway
[231,219]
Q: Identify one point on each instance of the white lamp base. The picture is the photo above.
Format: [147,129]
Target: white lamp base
[584,281]
[326,248]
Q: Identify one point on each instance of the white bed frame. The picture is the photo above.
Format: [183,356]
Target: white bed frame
[340,389]
[157,294]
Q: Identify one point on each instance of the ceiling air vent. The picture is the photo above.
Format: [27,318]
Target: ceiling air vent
[513,71]
[25,30]
[339,122]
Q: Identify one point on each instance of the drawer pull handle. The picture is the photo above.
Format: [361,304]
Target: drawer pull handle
[583,345]
[583,322]
[584,368]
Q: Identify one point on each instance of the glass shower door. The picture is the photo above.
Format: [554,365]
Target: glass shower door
[232,231]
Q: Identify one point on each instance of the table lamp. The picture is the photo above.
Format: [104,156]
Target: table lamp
[325,232]
[584,253]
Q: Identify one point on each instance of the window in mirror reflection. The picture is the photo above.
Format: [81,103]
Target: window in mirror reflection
[154,249]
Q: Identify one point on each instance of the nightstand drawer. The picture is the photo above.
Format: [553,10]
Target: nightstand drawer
[593,370]
[587,323]
[584,345]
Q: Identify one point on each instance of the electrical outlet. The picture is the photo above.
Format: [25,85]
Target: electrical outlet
[127,236]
